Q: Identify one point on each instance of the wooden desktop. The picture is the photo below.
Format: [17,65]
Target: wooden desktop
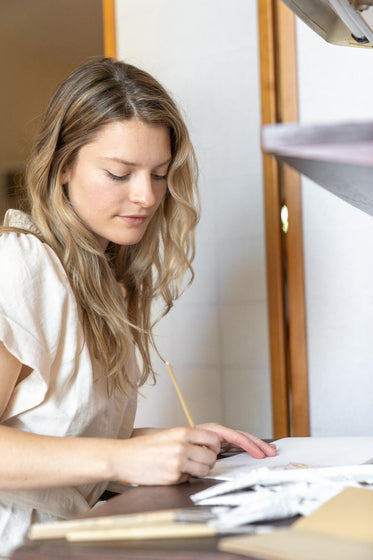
[134,500]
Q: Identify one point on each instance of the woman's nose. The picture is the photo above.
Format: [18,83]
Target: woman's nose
[142,190]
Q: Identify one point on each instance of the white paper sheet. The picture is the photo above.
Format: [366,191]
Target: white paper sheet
[299,453]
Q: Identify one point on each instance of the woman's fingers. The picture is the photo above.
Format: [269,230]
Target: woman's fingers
[202,455]
[242,440]
[197,451]
[203,437]
[268,448]
[197,469]
[194,457]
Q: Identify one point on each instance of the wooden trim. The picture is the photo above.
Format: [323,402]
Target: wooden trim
[288,99]
[274,242]
[108,14]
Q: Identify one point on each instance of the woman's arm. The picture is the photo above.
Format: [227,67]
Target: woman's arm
[35,461]
[168,456]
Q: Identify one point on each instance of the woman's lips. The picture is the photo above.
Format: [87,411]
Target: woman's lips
[134,220]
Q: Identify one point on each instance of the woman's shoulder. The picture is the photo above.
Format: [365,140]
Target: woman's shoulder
[19,241]
[24,257]
[18,219]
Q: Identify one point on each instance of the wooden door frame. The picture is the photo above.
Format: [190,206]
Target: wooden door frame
[109,35]
[284,251]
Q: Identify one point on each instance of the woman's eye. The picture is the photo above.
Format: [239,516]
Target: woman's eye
[117,177]
[159,177]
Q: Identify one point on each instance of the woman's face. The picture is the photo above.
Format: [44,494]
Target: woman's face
[117,181]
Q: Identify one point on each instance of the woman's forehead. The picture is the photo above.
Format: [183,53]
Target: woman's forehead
[130,142]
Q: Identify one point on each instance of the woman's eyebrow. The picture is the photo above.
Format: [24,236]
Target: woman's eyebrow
[119,160]
[133,163]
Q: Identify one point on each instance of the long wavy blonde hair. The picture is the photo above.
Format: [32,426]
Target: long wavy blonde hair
[115,289]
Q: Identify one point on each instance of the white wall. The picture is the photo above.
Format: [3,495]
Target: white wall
[336,84]
[205,52]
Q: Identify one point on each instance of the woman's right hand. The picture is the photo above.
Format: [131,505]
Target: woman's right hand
[166,457]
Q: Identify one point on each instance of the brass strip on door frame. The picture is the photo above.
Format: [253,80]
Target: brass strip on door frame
[274,238]
[288,99]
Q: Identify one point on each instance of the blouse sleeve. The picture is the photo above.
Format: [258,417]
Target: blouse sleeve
[33,291]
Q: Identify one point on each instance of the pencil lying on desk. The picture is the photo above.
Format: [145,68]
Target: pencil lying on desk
[180,395]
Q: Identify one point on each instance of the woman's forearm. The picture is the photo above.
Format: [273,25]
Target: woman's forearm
[35,461]
[151,456]
[168,456]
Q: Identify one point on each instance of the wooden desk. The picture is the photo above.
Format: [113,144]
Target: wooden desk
[135,500]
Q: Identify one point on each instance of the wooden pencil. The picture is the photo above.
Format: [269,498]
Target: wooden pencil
[180,395]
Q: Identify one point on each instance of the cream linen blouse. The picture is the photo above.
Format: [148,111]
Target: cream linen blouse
[64,395]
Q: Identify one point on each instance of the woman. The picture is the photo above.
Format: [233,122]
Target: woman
[113,209]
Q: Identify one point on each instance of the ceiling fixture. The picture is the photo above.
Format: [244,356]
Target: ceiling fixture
[342,22]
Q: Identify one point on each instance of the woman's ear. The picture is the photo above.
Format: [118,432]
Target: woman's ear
[65,175]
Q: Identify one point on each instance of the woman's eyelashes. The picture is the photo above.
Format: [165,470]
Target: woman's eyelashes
[118,177]
[159,177]
[155,176]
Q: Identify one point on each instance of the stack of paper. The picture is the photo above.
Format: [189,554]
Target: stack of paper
[306,473]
